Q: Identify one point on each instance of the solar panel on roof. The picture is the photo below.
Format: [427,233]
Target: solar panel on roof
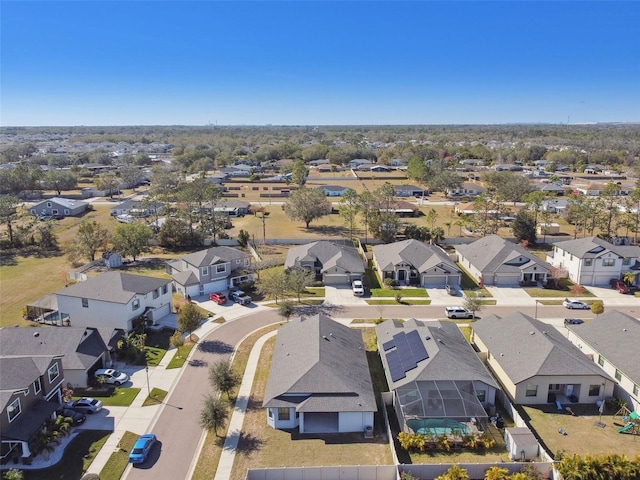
[417,347]
[395,366]
[388,345]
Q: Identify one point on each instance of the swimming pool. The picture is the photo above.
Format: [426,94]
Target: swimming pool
[437,426]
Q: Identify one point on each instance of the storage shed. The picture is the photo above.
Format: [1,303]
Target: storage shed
[521,444]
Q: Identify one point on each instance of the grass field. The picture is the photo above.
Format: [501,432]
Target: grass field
[119,459]
[583,436]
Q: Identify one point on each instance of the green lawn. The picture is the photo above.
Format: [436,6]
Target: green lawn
[181,356]
[76,458]
[122,396]
[156,397]
[119,459]
[401,302]
[563,290]
[405,292]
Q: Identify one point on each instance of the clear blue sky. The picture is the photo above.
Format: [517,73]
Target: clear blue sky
[318,62]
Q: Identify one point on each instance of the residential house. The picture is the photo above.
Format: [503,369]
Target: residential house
[610,340]
[593,261]
[412,262]
[319,380]
[210,270]
[403,208]
[378,168]
[551,188]
[360,163]
[30,394]
[59,207]
[536,364]
[136,208]
[436,378]
[409,191]
[334,190]
[492,260]
[557,205]
[317,163]
[333,263]
[227,206]
[397,162]
[114,300]
[83,350]
[596,189]
[466,189]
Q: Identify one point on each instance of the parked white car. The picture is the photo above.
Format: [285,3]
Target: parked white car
[575,305]
[109,375]
[458,312]
[358,288]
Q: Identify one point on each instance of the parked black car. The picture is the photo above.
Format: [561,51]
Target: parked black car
[77,417]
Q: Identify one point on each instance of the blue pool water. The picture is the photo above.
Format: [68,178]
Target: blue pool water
[437,426]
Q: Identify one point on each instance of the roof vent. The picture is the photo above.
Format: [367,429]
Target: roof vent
[36,334]
[325,337]
[332,335]
[532,332]
[624,329]
[427,337]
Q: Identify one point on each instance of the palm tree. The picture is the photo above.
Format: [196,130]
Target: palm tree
[628,278]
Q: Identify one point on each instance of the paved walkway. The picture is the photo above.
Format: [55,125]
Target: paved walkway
[139,420]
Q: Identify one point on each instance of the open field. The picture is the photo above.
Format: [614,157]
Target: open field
[583,436]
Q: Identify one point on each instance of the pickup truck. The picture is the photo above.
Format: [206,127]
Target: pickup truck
[240,297]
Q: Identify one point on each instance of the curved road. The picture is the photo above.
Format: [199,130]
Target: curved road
[178,427]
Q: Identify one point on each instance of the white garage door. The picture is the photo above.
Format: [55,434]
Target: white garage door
[336,279]
[217,286]
[434,280]
[507,280]
[160,312]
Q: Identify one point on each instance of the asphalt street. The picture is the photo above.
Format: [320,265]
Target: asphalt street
[177,426]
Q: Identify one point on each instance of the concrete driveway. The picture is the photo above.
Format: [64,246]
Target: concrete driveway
[342,295]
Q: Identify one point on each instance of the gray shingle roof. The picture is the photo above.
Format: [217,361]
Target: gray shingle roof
[213,255]
[582,247]
[80,351]
[63,202]
[329,254]
[19,372]
[525,347]
[494,254]
[450,355]
[321,366]
[422,256]
[114,287]
[616,336]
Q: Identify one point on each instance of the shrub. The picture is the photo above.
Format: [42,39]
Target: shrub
[389,282]
[577,289]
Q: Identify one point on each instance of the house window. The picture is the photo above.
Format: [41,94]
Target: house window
[85,303]
[221,268]
[601,360]
[626,261]
[284,414]
[136,304]
[48,204]
[53,371]
[163,289]
[270,412]
[608,262]
[482,395]
[156,293]
[594,390]
[618,375]
[67,211]
[636,390]
[37,386]
[13,410]
[238,261]
[247,262]
[532,390]
[205,271]
[588,262]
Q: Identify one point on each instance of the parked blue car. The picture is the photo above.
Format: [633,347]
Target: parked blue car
[141,448]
